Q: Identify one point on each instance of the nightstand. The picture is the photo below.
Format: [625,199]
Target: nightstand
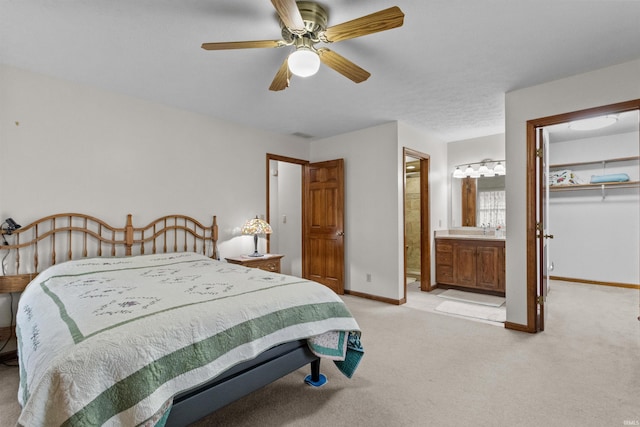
[267,262]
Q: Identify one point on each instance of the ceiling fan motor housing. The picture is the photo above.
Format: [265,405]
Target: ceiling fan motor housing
[315,21]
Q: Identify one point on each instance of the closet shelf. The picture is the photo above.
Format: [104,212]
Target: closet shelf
[602,186]
[608,185]
[594,162]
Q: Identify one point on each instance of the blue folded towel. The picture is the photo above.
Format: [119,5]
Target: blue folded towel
[612,177]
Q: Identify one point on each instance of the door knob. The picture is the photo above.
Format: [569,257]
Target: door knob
[340,233]
[548,236]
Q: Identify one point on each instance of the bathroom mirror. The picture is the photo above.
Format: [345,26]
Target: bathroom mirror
[478,201]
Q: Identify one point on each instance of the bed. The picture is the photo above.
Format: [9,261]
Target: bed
[145,326]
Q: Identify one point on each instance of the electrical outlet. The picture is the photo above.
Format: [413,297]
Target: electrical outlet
[368,277]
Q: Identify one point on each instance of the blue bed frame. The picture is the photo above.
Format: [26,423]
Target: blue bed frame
[241,380]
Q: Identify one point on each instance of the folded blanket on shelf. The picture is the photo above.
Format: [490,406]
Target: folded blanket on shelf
[612,177]
[564,177]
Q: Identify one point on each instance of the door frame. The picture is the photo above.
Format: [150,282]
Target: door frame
[303,164]
[533,322]
[425,219]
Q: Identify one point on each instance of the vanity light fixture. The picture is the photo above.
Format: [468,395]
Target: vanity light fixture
[593,123]
[484,170]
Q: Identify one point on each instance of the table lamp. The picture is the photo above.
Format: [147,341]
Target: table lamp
[256,226]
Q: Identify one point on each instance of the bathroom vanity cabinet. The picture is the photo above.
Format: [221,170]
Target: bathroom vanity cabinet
[475,264]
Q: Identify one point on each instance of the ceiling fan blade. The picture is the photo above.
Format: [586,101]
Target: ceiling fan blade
[342,65]
[281,80]
[289,14]
[243,45]
[369,24]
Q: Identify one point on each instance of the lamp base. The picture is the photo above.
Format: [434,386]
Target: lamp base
[255,247]
[255,254]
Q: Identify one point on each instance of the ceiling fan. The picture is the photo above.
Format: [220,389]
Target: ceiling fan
[304,24]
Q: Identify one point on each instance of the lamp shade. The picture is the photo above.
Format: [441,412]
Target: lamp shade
[304,62]
[458,173]
[256,226]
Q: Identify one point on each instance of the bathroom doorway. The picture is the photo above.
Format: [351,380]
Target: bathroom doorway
[417,247]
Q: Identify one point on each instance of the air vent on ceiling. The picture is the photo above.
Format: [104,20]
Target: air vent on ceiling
[302,135]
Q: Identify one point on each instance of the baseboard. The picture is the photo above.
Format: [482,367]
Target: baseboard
[596,282]
[517,327]
[374,297]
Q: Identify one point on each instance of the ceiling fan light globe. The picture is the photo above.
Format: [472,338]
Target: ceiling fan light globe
[304,63]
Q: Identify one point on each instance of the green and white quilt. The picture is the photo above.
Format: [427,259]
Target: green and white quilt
[110,341]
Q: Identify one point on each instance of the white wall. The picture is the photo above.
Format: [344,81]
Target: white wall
[595,238]
[371,215]
[77,148]
[81,149]
[374,228]
[469,151]
[601,87]
[67,147]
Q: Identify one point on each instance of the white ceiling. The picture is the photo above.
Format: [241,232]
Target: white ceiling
[445,71]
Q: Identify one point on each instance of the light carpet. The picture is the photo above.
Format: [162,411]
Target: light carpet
[425,369]
[472,297]
[477,311]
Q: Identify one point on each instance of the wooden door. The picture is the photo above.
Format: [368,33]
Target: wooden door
[323,229]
